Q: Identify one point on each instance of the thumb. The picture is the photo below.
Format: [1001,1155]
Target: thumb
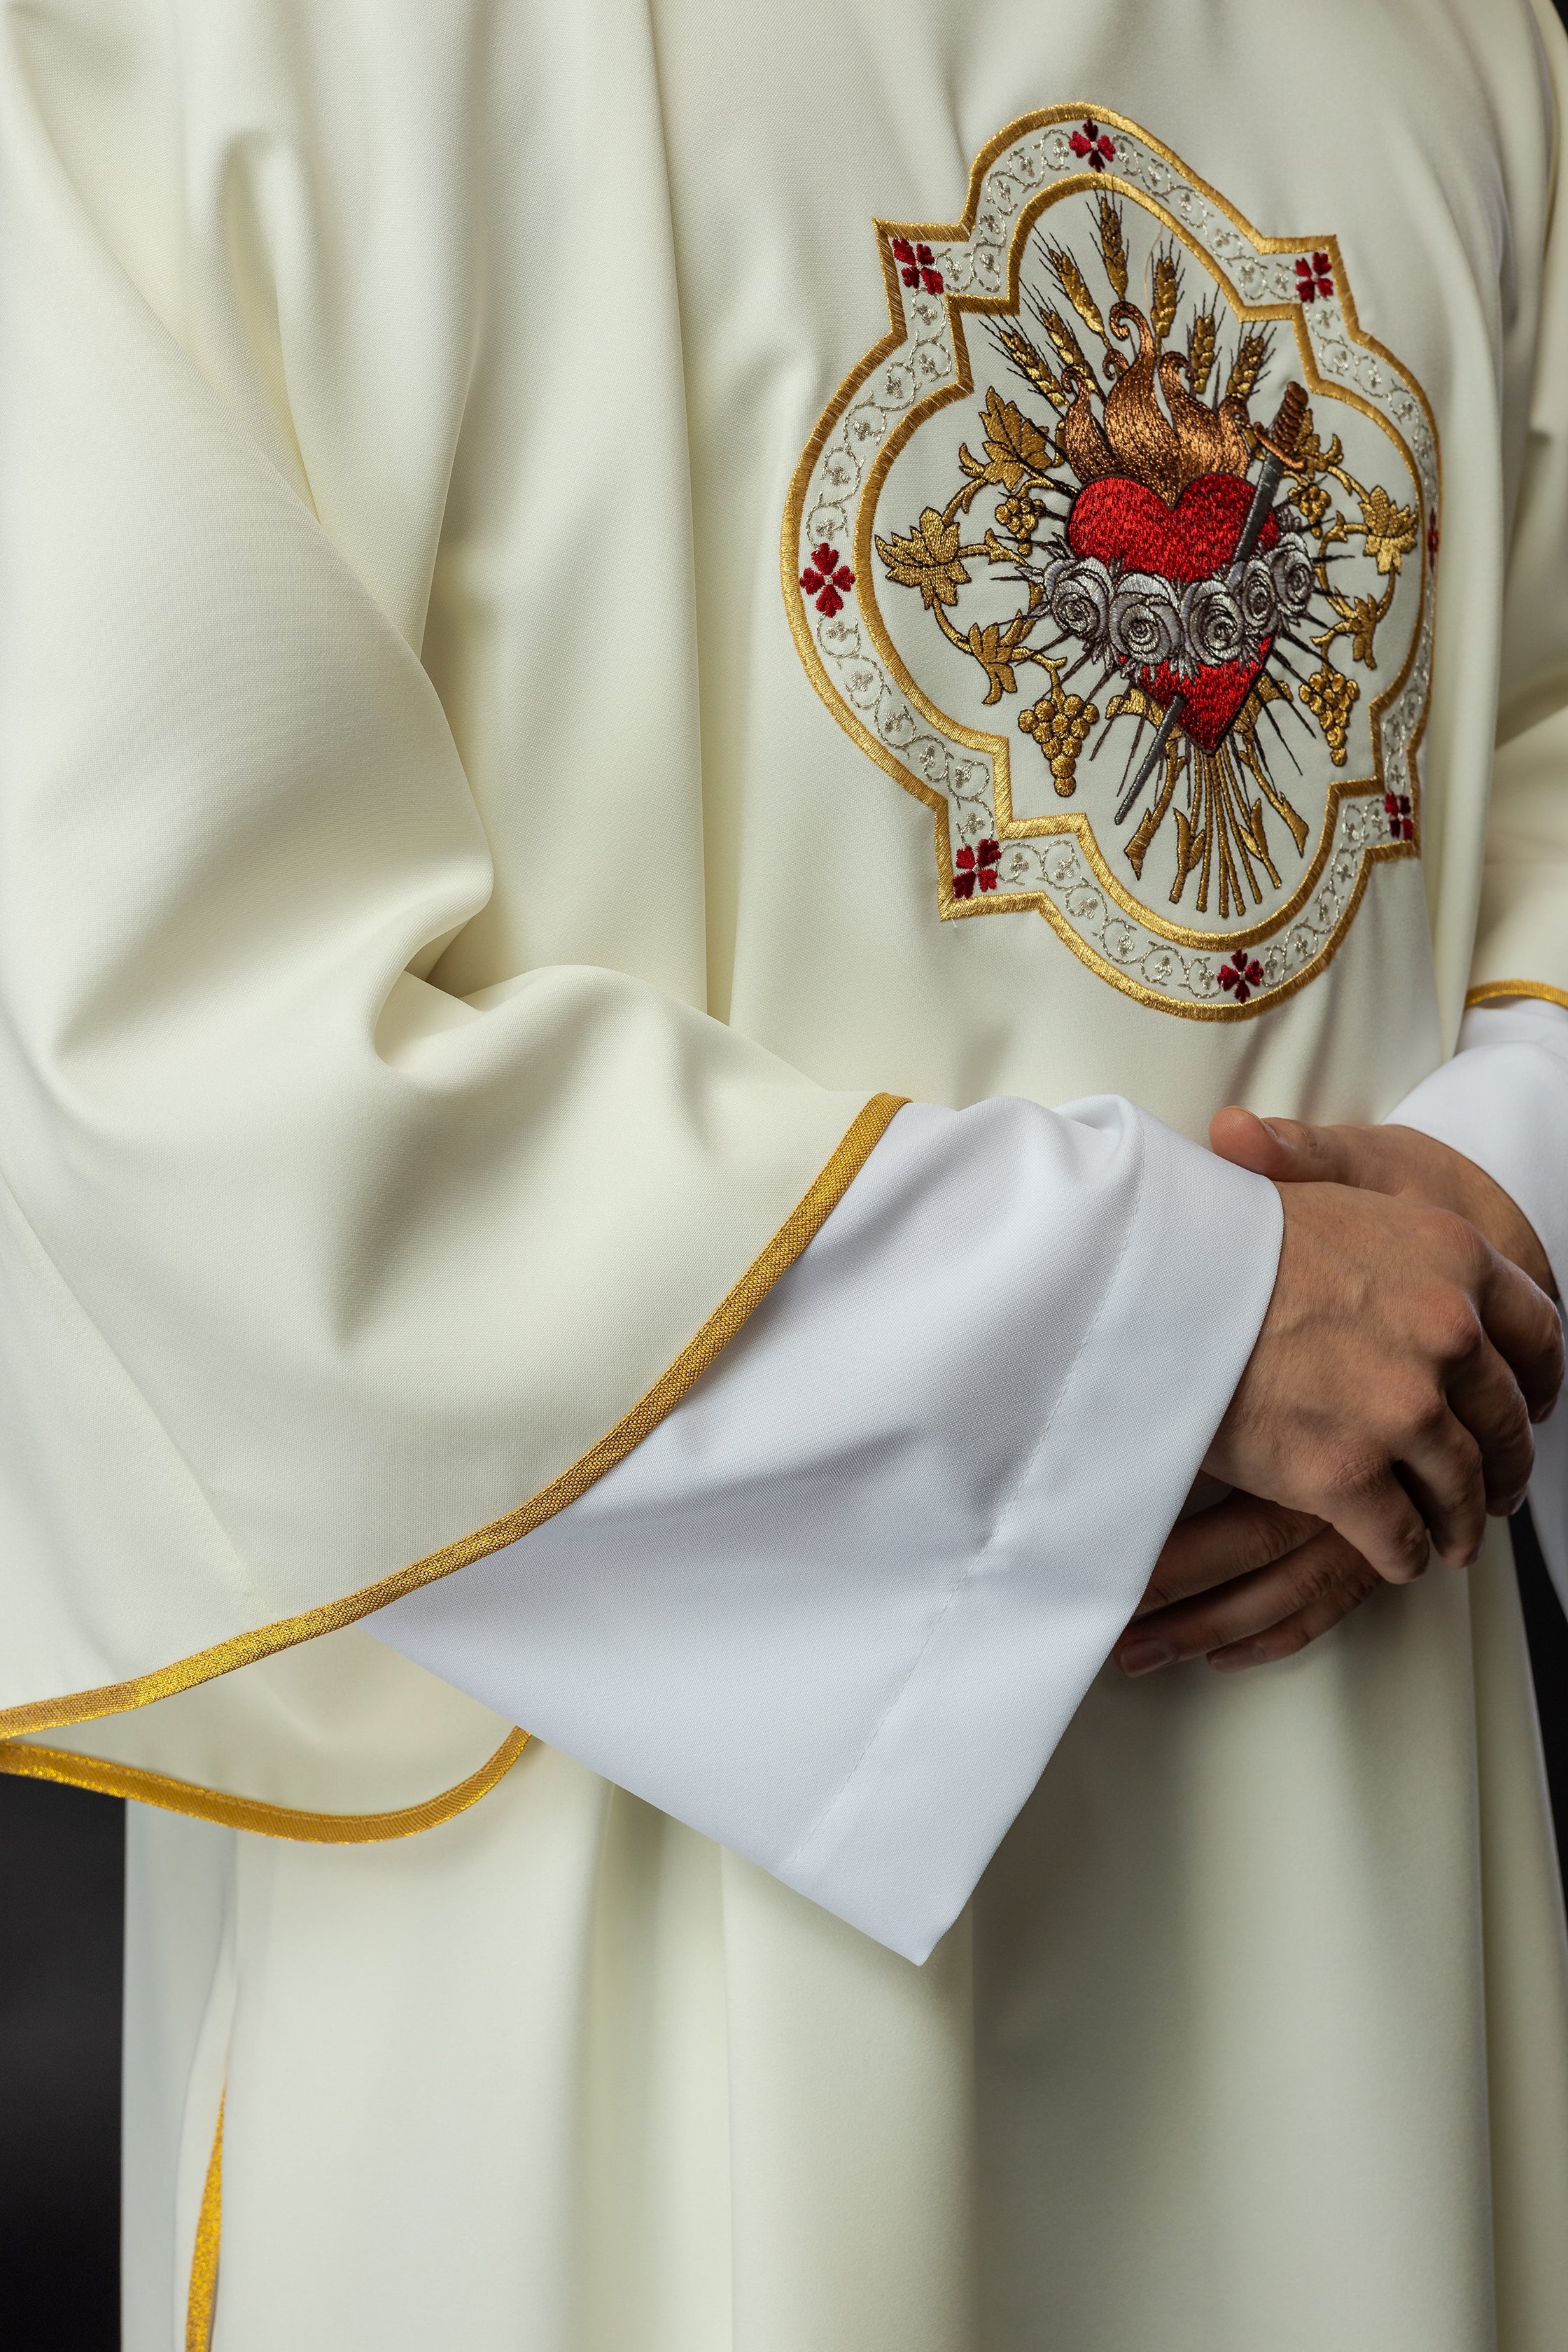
[1285,1150]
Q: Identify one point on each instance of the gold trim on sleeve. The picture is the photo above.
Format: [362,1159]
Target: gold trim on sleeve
[189,1797]
[799,1227]
[201,2301]
[1540,988]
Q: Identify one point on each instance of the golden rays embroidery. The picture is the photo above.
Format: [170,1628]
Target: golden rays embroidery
[1117,552]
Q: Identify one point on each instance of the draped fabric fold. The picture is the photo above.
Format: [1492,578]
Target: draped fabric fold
[1522,931]
[321,1268]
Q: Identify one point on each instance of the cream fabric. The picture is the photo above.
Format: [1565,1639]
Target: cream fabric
[317,1264]
[1210,2065]
[837,1608]
[1502,1100]
[722,1622]
[339,1727]
[521,383]
[512,322]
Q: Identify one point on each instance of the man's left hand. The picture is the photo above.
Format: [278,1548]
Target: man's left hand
[1398,1160]
[1250,1580]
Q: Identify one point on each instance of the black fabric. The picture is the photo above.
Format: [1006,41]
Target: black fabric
[1548,1629]
[62,1866]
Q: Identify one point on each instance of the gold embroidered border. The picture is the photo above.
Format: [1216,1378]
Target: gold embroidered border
[951,907]
[803,1221]
[1540,988]
[201,2301]
[147,1788]
[1076,824]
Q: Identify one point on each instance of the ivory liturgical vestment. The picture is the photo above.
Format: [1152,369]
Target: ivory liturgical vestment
[594,599]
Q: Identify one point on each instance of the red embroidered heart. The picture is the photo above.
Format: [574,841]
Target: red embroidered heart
[1119,522]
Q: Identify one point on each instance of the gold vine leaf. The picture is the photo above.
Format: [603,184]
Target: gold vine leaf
[927,559]
[1364,615]
[993,652]
[1391,531]
[1017,451]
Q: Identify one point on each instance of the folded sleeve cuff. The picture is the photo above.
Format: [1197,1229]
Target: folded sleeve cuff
[1502,1101]
[835,1611]
[1032,1618]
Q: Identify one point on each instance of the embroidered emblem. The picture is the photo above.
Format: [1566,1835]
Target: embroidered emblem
[1089,141]
[1314,277]
[824,579]
[1137,514]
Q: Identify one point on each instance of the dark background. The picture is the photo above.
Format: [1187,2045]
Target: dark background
[60,1892]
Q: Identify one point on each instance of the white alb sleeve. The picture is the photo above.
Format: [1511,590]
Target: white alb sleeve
[837,1608]
[1503,1102]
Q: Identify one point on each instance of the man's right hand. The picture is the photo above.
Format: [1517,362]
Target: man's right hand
[1392,1384]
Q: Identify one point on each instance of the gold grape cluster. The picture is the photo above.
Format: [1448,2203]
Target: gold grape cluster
[1329,695]
[1059,724]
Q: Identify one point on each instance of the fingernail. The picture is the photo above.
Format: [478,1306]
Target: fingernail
[1230,1662]
[1274,1131]
[1143,1657]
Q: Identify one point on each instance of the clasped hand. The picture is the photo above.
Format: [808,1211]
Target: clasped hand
[1386,1407]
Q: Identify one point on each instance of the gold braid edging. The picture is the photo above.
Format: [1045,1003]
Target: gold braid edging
[108,1779]
[1540,988]
[799,1227]
[201,2301]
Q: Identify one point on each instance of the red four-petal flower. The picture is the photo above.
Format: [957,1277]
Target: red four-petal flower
[1089,140]
[823,577]
[1401,821]
[1241,975]
[971,867]
[917,264]
[1314,276]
